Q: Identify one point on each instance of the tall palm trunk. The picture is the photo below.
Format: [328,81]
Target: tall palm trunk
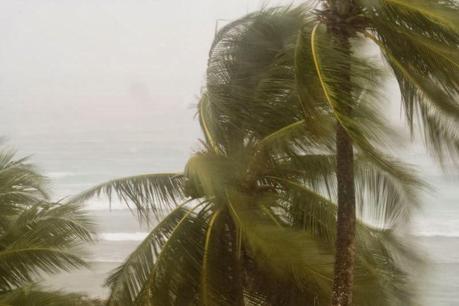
[345,239]
[345,226]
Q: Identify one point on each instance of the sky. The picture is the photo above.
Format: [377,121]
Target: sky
[95,62]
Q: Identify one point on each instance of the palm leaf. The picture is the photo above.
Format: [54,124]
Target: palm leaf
[220,277]
[128,280]
[42,239]
[19,265]
[33,295]
[442,13]
[287,253]
[149,193]
[175,276]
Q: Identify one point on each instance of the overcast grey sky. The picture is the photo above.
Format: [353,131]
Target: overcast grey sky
[101,61]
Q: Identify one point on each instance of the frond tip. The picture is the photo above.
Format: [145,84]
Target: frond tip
[149,193]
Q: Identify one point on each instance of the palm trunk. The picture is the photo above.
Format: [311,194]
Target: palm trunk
[345,227]
[346,219]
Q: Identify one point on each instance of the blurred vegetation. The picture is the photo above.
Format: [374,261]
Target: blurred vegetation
[252,219]
[37,237]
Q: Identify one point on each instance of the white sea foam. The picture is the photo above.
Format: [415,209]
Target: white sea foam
[135,236]
[447,229]
[104,204]
[106,260]
[436,228]
[437,234]
[59,174]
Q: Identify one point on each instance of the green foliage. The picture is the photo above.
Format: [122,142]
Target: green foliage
[149,193]
[37,236]
[36,296]
[419,40]
[259,226]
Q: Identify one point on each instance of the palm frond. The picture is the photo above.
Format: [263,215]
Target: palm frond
[20,265]
[176,274]
[420,39]
[250,76]
[308,210]
[204,277]
[285,252]
[386,196]
[204,120]
[20,183]
[441,13]
[381,258]
[128,280]
[149,193]
[33,295]
[220,283]
[52,225]
[43,238]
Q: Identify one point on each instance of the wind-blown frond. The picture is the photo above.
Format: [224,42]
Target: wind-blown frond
[19,265]
[33,295]
[149,193]
[129,279]
[20,183]
[385,195]
[37,236]
[285,252]
[42,239]
[420,41]
[49,224]
[416,12]
[381,258]
[175,277]
[221,279]
[250,76]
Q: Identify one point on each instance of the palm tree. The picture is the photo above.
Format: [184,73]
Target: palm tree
[231,241]
[340,82]
[419,41]
[251,220]
[37,236]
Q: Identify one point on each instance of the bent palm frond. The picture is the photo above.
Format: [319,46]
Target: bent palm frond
[420,41]
[127,281]
[42,239]
[176,275]
[285,252]
[20,183]
[33,295]
[153,193]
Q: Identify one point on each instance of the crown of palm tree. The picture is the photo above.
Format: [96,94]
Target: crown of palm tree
[252,218]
